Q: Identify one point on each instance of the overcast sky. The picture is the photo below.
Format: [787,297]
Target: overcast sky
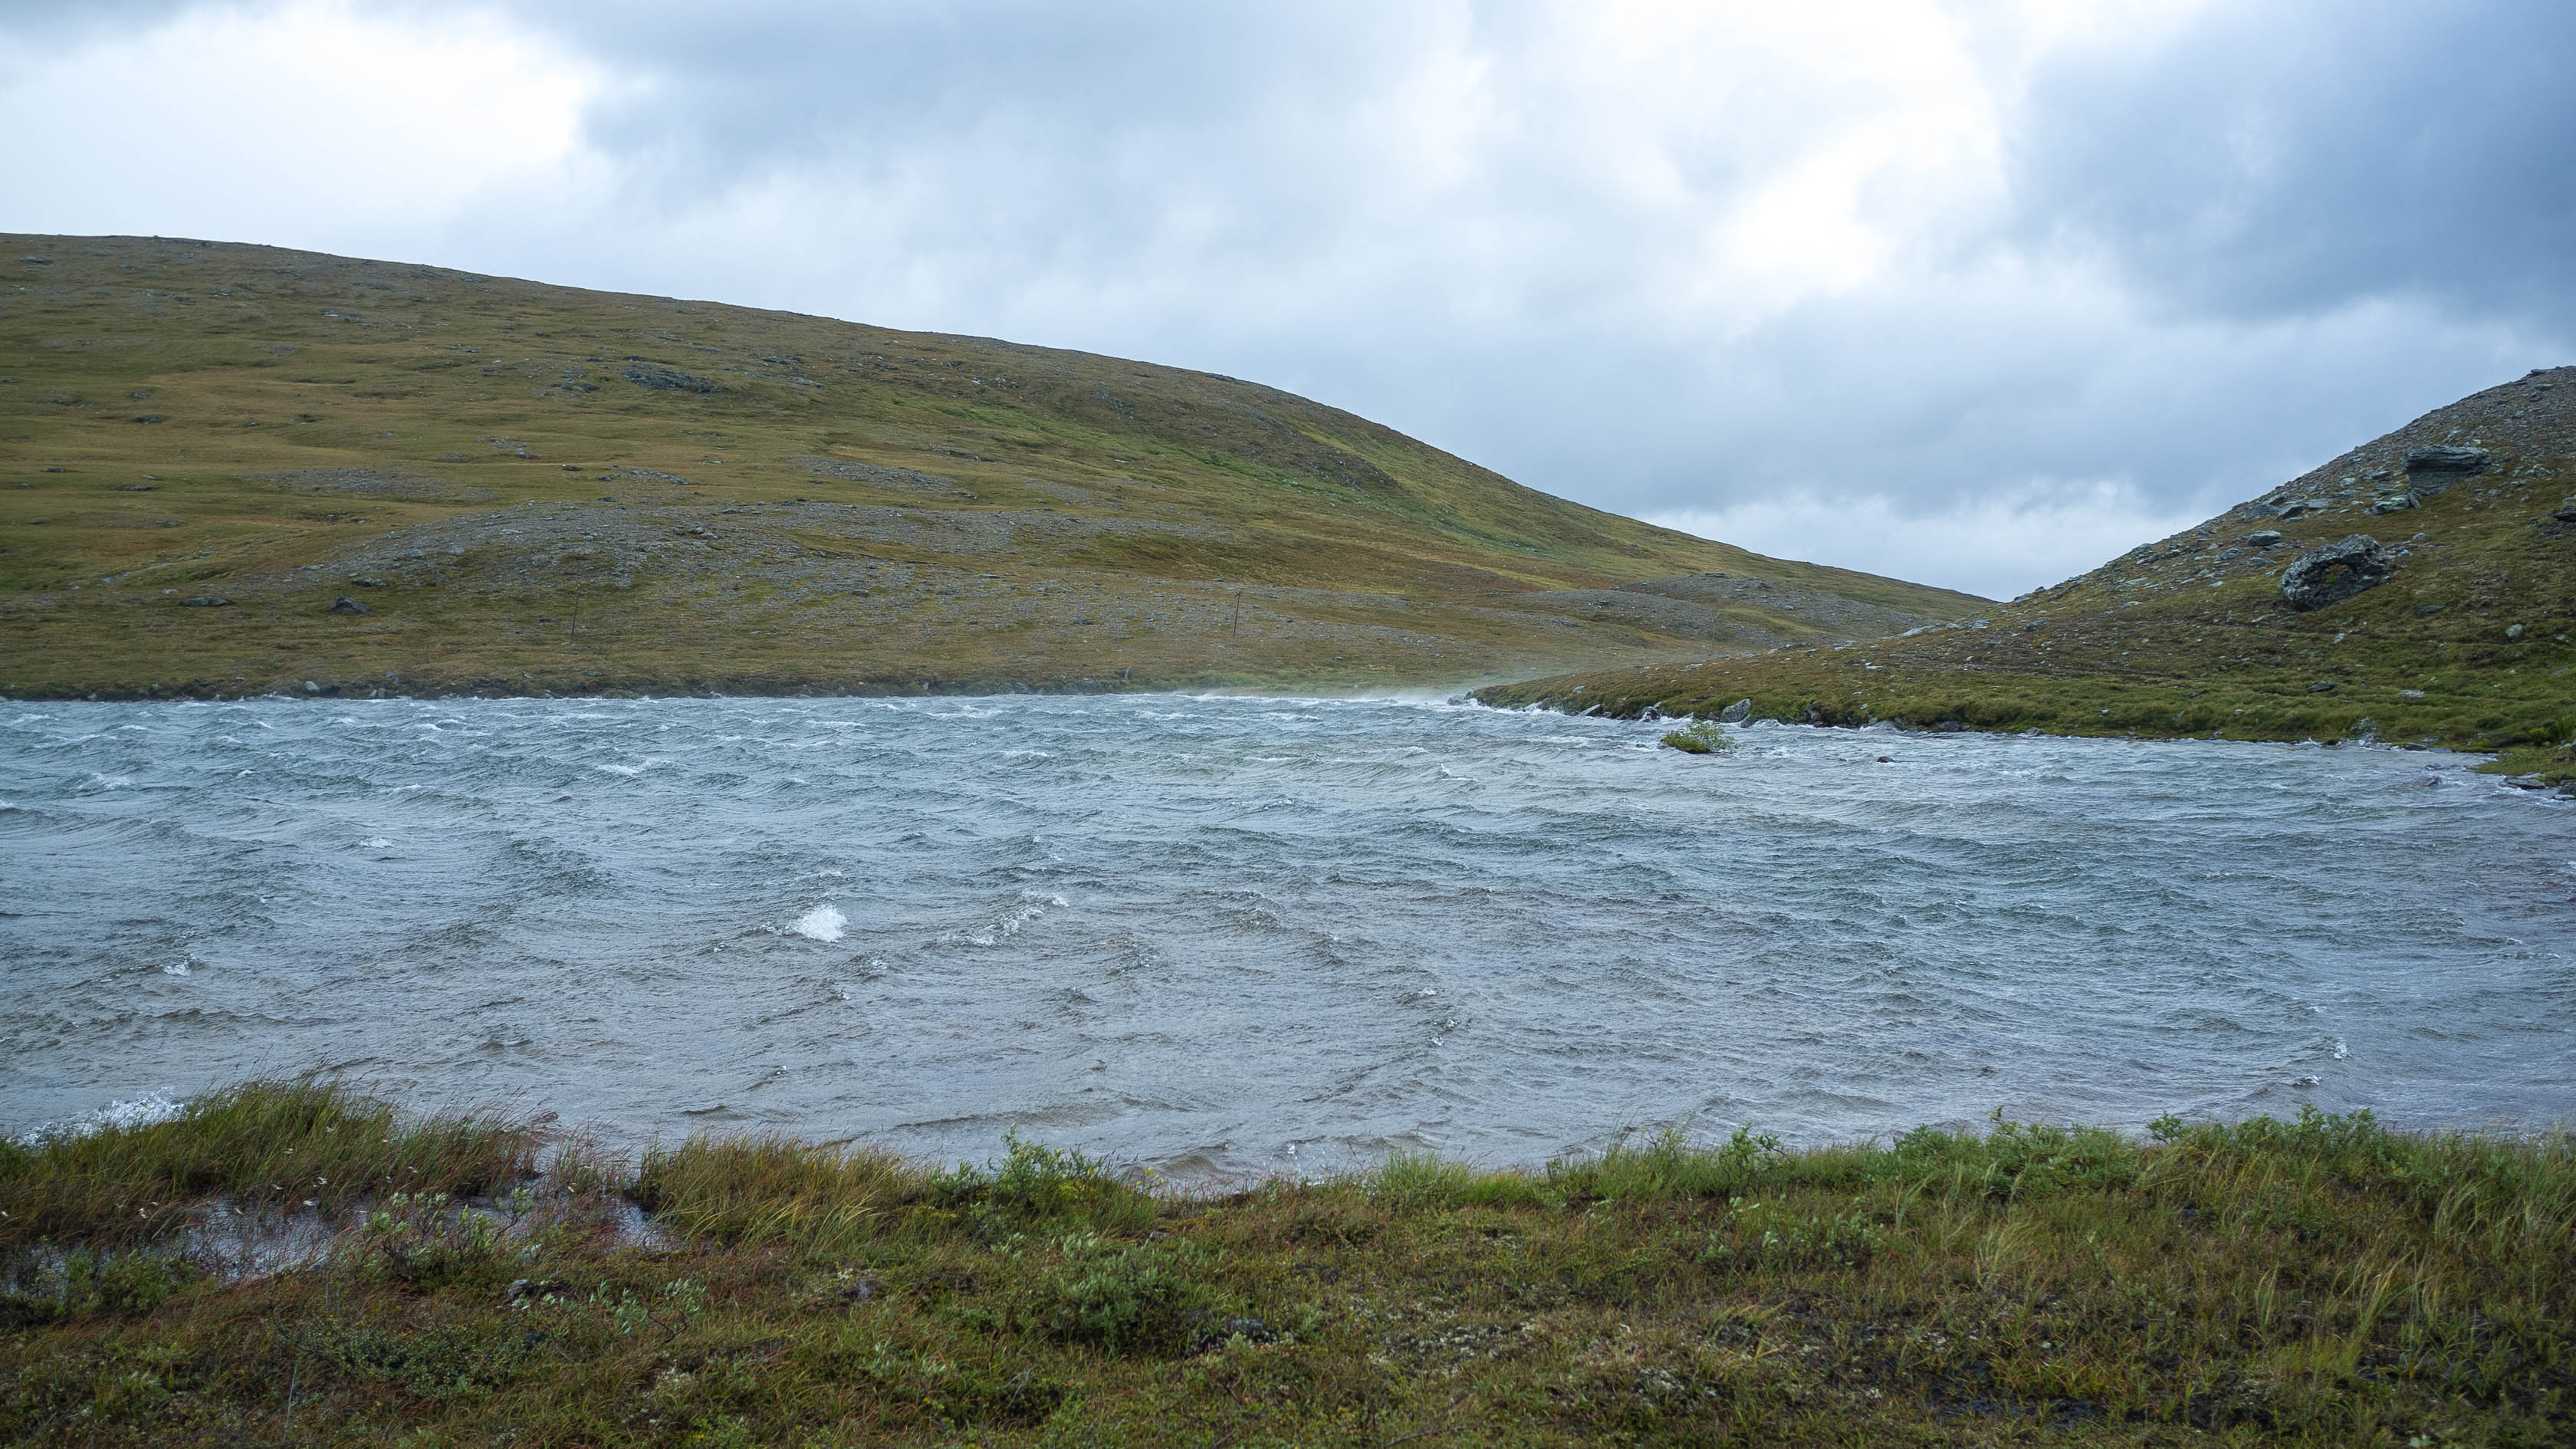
[1972,293]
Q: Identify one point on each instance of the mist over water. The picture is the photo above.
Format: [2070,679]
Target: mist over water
[1242,934]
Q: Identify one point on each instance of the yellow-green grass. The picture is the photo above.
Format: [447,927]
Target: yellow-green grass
[259,1144]
[851,508]
[2466,645]
[2322,1281]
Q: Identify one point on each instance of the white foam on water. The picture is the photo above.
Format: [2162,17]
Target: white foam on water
[175,968]
[630,771]
[375,842]
[136,1112]
[823,923]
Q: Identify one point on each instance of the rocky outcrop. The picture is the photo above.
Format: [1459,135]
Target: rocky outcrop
[2430,470]
[346,605]
[2331,573]
[667,379]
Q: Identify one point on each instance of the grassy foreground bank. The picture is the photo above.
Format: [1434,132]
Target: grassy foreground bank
[2324,1281]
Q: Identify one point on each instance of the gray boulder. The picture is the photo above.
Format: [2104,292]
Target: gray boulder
[2433,469]
[2565,512]
[2264,537]
[346,605]
[1736,713]
[2333,572]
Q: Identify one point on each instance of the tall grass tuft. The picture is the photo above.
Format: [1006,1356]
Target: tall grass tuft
[771,1188]
[261,1143]
[1669,1166]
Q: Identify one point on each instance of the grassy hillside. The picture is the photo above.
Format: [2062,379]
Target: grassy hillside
[2322,1282]
[204,447]
[2465,643]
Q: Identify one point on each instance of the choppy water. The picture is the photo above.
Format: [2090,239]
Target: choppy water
[1252,934]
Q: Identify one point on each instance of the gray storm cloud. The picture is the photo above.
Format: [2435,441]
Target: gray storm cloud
[1912,288]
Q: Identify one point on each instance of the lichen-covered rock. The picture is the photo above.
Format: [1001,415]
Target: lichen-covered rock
[2333,572]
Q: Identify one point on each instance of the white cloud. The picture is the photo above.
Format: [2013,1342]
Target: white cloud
[302,124]
[1998,545]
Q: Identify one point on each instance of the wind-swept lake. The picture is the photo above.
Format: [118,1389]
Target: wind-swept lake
[1246,934]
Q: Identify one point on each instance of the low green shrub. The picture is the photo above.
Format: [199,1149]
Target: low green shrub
[1037,1184]
[1700,737]
[426,1241]
[1124,1297]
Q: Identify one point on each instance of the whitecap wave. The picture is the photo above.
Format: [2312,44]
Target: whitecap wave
[823,923]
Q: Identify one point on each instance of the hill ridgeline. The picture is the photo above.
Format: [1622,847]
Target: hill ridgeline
[234,470]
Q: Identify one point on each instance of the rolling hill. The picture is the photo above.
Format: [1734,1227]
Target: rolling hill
[2446,623]
[230,469]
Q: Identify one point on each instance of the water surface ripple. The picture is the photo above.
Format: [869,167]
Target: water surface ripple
[1236,934]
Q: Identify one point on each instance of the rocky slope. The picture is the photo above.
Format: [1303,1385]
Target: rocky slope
[234,469]
[2419,588]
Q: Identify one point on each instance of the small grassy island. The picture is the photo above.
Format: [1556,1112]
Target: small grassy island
[2324,1281]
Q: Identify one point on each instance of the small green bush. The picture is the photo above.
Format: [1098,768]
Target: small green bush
[1035,1183]
[1123,1297]
[425,1242]
[1700,737]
